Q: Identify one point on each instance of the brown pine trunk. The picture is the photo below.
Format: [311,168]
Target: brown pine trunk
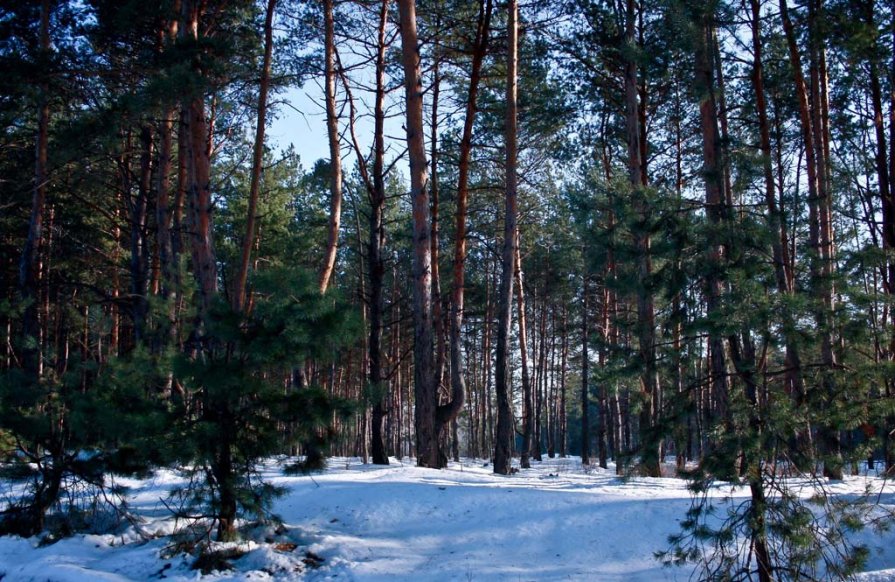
[887,197]
[458,365]
[783,273]
[437,315]
[198,174]
[714,201]
[423,356]
[239,290]
[335,156]
[820,218]
[505,430]
[829,435]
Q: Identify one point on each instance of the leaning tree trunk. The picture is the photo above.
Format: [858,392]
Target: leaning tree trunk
[239,291]
[423,356]
[335,157]
[505,429]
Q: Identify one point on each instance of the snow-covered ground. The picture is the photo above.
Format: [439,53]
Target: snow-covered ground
[360,522]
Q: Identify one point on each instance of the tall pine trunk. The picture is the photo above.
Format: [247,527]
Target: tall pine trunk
[335,156]
[458,365]
[29,270]
[375,250]
[649,380]
[527,403]
[425,388]
[505,430]
[239,291]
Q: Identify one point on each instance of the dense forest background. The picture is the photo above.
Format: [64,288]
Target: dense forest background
[616,229]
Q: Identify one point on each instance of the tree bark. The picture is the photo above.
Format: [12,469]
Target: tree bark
[375,249]
[527,404]
[335,156]
[649,381]
[505,429]
[811,119]
[239,291]
[714,201]
[198,172]
[777,222]
[29,271]
[437,314]
[585,369]
[458,365]
[423,356]
[139,260]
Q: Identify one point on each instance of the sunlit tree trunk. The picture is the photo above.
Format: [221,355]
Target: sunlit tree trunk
[425,388]
[458,365]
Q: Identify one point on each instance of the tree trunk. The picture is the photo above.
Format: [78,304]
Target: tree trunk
[139,243]
[505,429]
[335,156]
[649,381]
[239,291]
[198,170]
[423,356]
[437,314]
[714,201]
[777,222]
[29,271]
[375,248]
[527,408]
[585,368]
[564,360]
[458,365]
[820,218]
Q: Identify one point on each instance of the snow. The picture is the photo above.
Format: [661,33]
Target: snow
[556,521]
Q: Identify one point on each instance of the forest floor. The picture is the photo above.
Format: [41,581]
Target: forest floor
[556,521]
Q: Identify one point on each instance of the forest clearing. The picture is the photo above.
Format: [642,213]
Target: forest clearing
[555,521]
